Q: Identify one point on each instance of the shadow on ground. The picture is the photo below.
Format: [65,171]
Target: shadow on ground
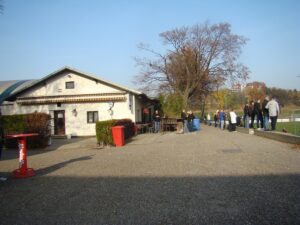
[56,144]
[270,199]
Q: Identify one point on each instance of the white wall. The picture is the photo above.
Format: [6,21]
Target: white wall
[77,125]
[56,86]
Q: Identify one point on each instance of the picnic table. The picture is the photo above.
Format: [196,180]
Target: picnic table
[169,124]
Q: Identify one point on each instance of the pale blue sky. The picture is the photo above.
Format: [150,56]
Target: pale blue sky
[38,37]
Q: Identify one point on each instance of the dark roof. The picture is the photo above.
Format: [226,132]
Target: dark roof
[9,87]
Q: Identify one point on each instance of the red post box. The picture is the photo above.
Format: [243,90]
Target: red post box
[23,171]
[118,135]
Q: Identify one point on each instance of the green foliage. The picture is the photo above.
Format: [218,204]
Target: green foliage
[14,124]
[290,127]
[285,96]
[235,100]
[103,132]
[28,123]
[171,104]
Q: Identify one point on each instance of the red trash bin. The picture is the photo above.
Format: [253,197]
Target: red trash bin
[118,135]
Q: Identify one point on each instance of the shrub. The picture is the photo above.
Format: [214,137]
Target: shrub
[28,123]
[104,134]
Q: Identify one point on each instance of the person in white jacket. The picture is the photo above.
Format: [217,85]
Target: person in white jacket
[233,117]
[273,108]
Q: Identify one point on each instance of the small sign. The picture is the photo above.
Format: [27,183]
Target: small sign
[60,115]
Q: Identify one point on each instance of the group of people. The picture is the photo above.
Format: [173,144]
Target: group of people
[221,116]
[261,112]
[186,117]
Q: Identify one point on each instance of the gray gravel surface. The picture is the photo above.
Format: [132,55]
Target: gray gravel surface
[209,177]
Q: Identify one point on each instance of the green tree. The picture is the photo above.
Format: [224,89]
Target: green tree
[171,104]
[235,100]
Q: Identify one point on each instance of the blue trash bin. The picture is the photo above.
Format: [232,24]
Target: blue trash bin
[196,124]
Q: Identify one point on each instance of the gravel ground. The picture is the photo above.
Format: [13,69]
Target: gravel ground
[209,177]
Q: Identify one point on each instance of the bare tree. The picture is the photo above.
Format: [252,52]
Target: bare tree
[197,59]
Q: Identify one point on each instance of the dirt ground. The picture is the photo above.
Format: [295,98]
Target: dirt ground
[209,177]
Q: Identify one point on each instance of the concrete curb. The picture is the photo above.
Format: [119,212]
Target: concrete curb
[278,136]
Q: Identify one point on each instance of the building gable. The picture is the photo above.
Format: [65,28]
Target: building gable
[69,82]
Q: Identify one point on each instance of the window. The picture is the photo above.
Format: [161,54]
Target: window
[130,102]
[70,85]
[92,117]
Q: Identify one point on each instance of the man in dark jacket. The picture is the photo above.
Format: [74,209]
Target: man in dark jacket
[258,113]
[265,112]
[156,121]
[246,115]
[252,114]
[184,121]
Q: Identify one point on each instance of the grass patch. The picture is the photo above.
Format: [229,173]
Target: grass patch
[290,127]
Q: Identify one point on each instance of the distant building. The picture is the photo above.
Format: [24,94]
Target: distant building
[257,85]
[236,88]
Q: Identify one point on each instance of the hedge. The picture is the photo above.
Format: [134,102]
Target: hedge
[27,123]
[104,133]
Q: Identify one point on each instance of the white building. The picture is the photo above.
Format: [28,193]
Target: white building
[76,100]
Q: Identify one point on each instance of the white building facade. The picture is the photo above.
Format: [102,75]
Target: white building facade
[76,101]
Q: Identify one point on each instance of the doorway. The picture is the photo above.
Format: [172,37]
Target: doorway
[59,122]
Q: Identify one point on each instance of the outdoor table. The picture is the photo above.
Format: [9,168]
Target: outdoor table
[23,171]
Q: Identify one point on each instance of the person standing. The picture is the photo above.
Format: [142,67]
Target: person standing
[273,108]
[246,115]
[216,117]
[252,114]
[184,121]
[190,119]
[222,119]
[156,122]
[258,114]
[233,117]
[255,110]
[208,119]
[265,113]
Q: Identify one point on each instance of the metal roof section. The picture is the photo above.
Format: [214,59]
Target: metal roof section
[7,88]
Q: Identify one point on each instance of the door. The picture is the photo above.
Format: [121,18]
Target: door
[59,122]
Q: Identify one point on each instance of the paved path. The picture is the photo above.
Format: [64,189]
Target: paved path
[210,177]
